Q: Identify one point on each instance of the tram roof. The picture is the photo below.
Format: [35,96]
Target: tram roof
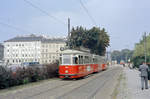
[70,51]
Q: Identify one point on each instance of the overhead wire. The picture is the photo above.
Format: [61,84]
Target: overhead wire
[88,13]
[44,12]
[14,27]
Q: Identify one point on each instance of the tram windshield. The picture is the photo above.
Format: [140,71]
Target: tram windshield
[66,59]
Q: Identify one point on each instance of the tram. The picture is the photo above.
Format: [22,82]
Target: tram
[77,64]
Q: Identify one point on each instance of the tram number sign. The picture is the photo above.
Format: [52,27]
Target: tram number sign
[88,68]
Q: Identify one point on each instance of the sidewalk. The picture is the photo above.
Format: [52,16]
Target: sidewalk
[130,86]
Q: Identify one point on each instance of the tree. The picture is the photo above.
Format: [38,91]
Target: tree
[138,55]
[122,55]
[94,39]
[115,56]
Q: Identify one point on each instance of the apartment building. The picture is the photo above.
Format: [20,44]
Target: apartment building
[51,49]
[32,48]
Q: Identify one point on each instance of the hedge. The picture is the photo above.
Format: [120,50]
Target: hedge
[24,75]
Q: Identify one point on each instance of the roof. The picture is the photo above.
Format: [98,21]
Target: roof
[35,38]
[70,51]
[24,39]
[54,40]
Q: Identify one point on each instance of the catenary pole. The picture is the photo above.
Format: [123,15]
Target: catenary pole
[145,47]
[68,39]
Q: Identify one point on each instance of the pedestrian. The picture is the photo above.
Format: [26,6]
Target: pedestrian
[149,74]
[144,75]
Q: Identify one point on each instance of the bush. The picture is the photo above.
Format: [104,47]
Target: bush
[52,70]
[24,75]
[4,78]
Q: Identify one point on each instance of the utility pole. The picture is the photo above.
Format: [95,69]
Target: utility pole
[145,47]
[68,28]
[68,39]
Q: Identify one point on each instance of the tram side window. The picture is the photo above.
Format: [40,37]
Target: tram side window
[66,59]
[95,60]
[80,59]
[75,60]
[86,60]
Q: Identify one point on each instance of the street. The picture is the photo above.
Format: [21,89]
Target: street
[96,86]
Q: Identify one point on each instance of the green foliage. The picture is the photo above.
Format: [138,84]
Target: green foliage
[138,56]
[10,78]
[94,39]
[122,55]
[4,78]
[115,55]
[139,47]
[137,61]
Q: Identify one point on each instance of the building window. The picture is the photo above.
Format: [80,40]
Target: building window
[7,61]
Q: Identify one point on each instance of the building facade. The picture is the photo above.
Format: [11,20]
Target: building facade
[32,48]
[51,49]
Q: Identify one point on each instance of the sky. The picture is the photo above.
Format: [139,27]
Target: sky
[124,20]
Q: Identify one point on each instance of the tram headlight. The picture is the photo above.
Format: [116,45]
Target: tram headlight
[66,71]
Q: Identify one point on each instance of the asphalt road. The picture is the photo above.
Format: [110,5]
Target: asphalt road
[96,86]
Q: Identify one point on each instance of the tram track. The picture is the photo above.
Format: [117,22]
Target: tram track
[50,89]
[35,87]
[100,87]
[62,89]
[83,86]
[59,87]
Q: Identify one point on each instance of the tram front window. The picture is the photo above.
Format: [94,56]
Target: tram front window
[66,59]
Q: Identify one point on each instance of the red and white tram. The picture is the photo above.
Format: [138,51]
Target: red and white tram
[76,64]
